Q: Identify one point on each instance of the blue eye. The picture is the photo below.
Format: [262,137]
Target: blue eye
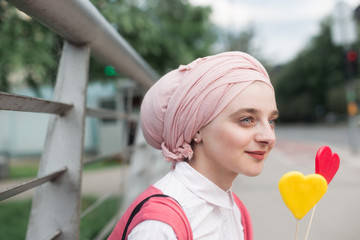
[274,122]
[247,120]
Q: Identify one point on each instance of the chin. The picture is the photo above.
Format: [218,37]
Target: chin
[253,172]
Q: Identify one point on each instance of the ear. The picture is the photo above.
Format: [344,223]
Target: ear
[197,137]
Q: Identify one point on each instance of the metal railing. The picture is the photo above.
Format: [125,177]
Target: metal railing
[58,187]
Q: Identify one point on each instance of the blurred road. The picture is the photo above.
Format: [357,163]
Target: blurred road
[337,213]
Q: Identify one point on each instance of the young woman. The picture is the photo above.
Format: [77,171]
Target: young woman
[213,119]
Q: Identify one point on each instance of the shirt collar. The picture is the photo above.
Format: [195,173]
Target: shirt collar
[202,186]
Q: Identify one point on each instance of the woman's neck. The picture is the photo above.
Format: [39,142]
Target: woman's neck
[223,179]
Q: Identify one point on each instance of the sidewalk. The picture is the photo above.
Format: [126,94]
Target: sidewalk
[95,183]
[336,215]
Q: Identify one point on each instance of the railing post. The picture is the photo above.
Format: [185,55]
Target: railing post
[56,205]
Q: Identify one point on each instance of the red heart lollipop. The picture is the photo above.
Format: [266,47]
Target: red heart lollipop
[326,163]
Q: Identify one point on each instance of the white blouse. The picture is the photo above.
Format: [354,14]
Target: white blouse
[212,212]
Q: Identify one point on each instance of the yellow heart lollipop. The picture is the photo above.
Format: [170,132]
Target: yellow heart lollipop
[301,193]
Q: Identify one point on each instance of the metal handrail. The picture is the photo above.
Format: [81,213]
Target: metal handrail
[109,226]
[110,114]
[101,158]
[31,104]
[85,30]
[96,204]
[15,102]
[79,22]
[124,151]
[22,187]
[54,235]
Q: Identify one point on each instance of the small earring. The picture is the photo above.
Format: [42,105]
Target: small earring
[196,140]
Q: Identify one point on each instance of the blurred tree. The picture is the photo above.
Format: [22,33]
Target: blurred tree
[166,33]
[241,40]
[28,50]
[305,86]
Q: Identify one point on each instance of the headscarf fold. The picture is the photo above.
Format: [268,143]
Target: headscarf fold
[186,99]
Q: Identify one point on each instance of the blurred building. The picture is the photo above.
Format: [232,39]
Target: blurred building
[23,134]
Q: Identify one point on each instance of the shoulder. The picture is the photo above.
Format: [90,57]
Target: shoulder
[151,229]
[171,186]
[160,210]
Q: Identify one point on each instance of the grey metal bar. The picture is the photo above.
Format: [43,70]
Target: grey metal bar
[30,104]
[54,236]
[110,114]
[79,22]
[109,226]
[100,158]
[124,151]
[96,204]
[64,145]
[15,190]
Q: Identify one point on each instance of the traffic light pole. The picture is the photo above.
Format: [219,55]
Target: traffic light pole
[344,34]
[350,59]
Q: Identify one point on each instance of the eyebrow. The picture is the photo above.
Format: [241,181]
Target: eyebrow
[254,111]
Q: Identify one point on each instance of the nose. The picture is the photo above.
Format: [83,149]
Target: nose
[265,134]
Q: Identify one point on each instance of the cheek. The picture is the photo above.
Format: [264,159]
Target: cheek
[232,137]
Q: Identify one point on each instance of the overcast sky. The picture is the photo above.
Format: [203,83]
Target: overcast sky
[283,27]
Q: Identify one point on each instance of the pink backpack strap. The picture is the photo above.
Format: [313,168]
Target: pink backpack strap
[153,205]
[245,219]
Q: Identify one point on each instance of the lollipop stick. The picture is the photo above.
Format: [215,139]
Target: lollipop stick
[297,229]
[311,218]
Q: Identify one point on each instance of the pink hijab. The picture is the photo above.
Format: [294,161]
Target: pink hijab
[186,99]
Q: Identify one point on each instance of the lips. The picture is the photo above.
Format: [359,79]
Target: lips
[259,155]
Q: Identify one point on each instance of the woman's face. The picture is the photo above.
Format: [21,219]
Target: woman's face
[240,138]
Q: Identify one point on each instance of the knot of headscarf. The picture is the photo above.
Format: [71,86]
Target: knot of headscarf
[178,154]
[186,99]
